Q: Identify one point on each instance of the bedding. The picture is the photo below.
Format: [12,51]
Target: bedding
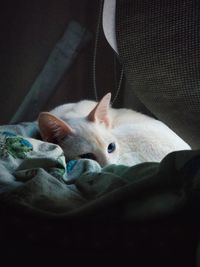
[34,173]
[36,180]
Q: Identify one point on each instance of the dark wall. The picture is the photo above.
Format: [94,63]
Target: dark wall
[29,32]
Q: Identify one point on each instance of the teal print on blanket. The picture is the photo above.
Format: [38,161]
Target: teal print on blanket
[13,145]
[70,165]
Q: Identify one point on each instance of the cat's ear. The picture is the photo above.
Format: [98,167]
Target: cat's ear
[53,129]
[100,112]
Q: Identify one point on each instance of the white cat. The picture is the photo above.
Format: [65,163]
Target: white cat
[88,129]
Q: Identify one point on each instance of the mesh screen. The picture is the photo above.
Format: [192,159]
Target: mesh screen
[158,44]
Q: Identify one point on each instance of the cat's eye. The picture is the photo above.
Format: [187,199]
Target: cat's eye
[88,156]
[111,147]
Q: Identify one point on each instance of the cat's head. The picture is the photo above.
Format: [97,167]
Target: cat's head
[85,137]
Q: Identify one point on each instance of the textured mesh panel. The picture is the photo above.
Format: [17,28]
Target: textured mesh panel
[159,46]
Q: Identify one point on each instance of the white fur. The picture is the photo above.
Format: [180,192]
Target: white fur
[138,138]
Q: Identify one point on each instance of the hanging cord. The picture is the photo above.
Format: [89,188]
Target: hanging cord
[95,48]
[119,85]
[95,56]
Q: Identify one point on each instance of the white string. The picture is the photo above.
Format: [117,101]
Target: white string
[95,56]
[95,48]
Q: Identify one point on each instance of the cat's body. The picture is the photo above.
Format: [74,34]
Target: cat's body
[88,129]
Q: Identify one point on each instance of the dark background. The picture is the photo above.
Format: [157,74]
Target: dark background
[29,32]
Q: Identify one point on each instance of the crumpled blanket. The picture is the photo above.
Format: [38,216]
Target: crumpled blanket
[148,210]
[34,174]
